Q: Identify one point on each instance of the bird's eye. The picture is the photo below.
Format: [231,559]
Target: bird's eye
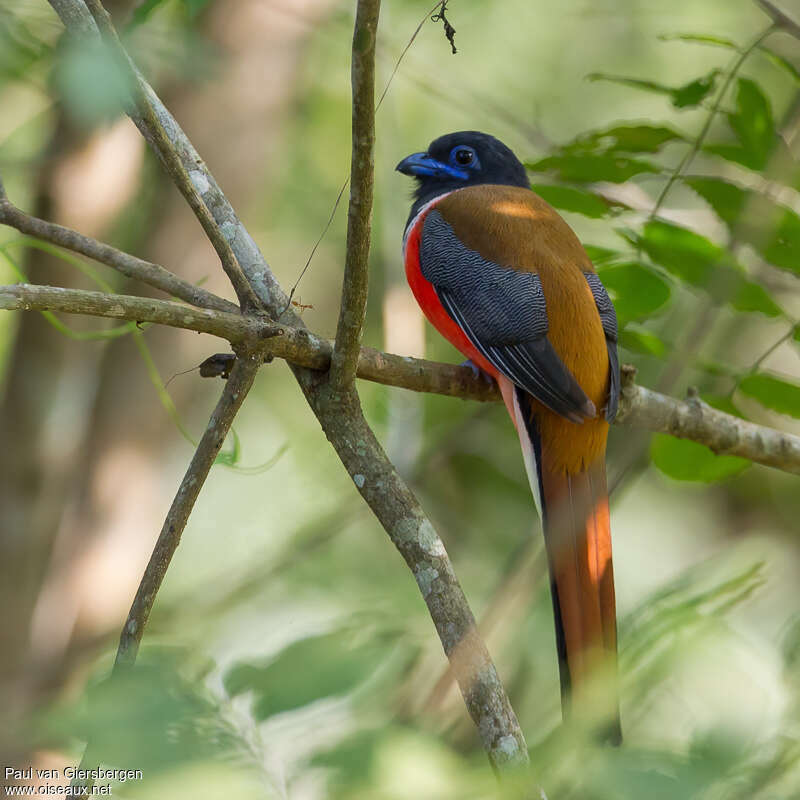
[464,156]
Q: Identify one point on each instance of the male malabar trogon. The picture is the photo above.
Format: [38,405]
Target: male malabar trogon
[504,278]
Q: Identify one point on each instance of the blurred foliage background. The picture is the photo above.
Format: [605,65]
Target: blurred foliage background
[289,654]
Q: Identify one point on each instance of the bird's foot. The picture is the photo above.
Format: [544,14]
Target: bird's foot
[477,371]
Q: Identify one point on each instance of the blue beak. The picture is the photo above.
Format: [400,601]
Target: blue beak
[421,164]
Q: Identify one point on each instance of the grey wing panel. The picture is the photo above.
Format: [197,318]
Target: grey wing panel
[608,318]
[504,314]
[502,304]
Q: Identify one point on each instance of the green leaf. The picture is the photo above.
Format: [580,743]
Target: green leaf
[311,669]
[687,96]
[642,138]
[685,460]
[781,246]
[92,84]
[753,122]
[751,296]
[727,199]
[601,255]
[730,152]
[567,198]
[146,8]
[781,62]
[699,262]
[644,342]
[637,291]
[693,93]
[772,392]
[772,229]
[194,7]
[353,757]
[686,254]
[754,127]
[634,83]
[590,168]
[722,403]
[143,11]
[156,714]
[700,38]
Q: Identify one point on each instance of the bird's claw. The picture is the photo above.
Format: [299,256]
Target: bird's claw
[477,371]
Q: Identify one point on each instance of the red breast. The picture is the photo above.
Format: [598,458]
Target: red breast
[428,299]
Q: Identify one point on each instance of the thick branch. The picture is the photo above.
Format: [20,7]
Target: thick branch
[359,215]
[695,420]
[639,407]
[130,266]
[413,535]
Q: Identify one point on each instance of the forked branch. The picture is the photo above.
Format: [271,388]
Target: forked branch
[338,413]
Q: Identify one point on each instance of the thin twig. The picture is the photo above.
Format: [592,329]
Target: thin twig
[296,345]
[772,348]
[359,216]
[129,265]
[428,15]
[698,142]
[233,395]
[317,243]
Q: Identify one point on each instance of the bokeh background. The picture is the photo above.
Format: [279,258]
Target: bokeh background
[289,654]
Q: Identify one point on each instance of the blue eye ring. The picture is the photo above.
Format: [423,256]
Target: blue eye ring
[464,157]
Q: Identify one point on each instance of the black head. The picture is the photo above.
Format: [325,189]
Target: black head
[461,159]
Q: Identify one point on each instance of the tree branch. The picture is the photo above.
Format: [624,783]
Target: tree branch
[485,696]
[180,175]
[417,541]
[372,473]
[79,22]
[781,19]
[359,215]
[693,419]
[236,389]
[129,265]
[233,395]
[639,407]
[233,327]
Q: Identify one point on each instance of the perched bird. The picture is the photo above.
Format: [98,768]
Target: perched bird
[503,277]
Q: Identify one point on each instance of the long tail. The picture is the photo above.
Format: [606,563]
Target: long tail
[574,509]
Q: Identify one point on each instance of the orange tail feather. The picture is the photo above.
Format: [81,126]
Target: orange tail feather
[574,508]
[578,540]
